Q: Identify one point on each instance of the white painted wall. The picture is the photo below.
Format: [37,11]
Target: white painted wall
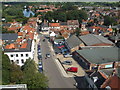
[24,57]
[14,58]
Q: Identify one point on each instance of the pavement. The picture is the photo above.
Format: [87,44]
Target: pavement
[35,52]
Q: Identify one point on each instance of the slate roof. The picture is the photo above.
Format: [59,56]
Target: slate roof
[73,41]
[9,36]
[117,26]
[91,39]
[44,24]
[63,23]
[6,25]
[115,37]
[100,55]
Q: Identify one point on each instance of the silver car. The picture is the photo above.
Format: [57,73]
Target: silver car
[67,62]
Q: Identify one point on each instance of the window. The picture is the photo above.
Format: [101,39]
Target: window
[17,61]
[21,55]
[26,55]
[22,60]
[16,55]
[11,55]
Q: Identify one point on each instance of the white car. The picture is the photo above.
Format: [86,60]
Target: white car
[40,64]
[48,55]
[67,55]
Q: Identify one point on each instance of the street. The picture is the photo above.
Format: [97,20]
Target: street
[56,80]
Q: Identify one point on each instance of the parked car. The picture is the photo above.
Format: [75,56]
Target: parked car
[43,40]
[48,55]
[39,50]
[67,55]
[40,67]
[64,49]
[67,62]
[39,53]
[72,69]
[61,46]
[38,46]
[39,57]
[40,64]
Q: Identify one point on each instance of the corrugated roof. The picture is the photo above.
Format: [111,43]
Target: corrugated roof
[100,55]
[91,39]
[73,41]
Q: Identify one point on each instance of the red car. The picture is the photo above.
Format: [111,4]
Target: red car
[72,69]
[61,46]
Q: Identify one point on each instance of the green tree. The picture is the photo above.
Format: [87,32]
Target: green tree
[16,75]
[78,31]
[5,69]
[32,77]
[109,20]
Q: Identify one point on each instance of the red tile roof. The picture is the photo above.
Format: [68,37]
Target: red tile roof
[54,24]
[10,46]
[20,33]
[110,29]
[28,28]
[18,40]
[13,28]
[72,22]
[24,45]
[84,32]
[31,35]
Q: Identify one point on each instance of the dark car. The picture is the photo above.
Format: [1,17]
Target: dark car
[40,67]
[39,57]
[47,55]
[67,62]
[43,40]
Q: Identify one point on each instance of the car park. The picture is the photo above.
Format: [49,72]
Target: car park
[72,69]
[67,62]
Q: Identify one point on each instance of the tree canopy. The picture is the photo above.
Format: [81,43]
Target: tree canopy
[5,69]
[109,20]
[66,15]
[32,77]
[27,74]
